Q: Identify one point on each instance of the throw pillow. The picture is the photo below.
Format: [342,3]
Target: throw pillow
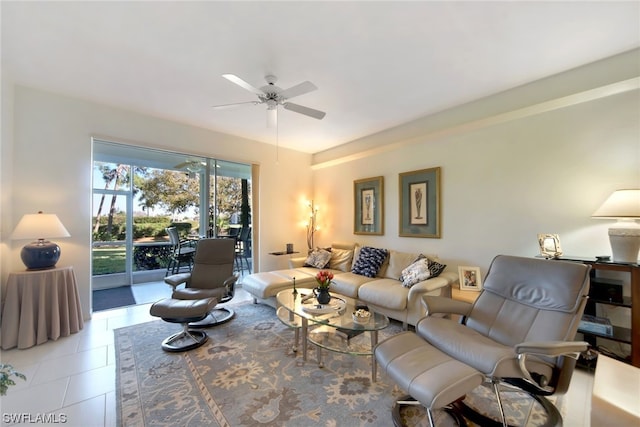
[416,272]
[421,256]
[340,259]
[436,268]
[369,261]
[319,258]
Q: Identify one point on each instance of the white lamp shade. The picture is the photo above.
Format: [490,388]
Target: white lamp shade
[39,226]
[621,204]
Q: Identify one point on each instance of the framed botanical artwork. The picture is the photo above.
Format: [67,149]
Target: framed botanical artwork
[368,206]
[420,203]
[470,278]
[549,245]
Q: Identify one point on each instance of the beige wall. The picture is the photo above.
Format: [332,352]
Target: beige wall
[503,184]
[539,158]
[50,157]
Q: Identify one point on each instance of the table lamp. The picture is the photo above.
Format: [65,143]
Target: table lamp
[42,253]
[624,235]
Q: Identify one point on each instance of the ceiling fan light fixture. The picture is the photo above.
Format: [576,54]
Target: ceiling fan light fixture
[273,96]
[272,116]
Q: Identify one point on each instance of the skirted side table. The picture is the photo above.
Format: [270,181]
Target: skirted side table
[40,305]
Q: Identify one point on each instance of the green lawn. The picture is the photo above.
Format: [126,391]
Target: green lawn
[112,259]
[108,260]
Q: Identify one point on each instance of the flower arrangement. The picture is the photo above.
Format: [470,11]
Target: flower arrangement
[324,279]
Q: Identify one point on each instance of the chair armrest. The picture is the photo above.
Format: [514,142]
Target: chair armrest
[445,305]
[188,243]
[176,280]
[297,262]
[546,348]
[551,348]
[230,281]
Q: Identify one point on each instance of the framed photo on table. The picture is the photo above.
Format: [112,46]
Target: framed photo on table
[470,278]
[549,245]
[368,206]
[420,203]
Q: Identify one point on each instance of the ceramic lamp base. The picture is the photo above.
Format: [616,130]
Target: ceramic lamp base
[40,255]
[625,243]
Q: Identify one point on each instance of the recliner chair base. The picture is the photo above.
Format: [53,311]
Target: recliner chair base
[217,316]
[196,337]
[554,418]
[410,401]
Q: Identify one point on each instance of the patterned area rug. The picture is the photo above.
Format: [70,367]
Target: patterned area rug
[248,375]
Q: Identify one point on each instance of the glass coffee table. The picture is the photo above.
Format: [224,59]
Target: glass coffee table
[329,326]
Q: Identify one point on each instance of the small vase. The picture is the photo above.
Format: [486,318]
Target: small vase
[322,295]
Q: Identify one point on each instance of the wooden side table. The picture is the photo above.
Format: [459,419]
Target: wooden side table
[40,305]
[460,295]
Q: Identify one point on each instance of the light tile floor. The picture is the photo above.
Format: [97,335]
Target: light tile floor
[72,380]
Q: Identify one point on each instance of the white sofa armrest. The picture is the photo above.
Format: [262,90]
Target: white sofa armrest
[297,262]
[430,285]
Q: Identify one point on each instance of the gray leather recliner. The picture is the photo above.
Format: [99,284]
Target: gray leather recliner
[212,276]
[520,330]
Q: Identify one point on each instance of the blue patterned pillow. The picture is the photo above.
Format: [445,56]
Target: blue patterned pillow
[369,261]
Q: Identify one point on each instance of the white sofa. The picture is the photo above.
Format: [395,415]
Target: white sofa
[384,293]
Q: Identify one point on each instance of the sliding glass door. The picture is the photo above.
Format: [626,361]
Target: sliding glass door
[139,192]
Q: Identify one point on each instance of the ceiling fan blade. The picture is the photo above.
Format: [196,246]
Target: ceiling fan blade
[316,114]
[297,90]
[272,117]
[237,80]
[235,104]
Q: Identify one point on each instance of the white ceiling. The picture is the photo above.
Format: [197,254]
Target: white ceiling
[376,64]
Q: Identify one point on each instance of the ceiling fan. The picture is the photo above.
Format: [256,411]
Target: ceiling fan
[192,165]
[273,96]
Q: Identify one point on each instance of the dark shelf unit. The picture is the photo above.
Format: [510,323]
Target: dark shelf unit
[629,335]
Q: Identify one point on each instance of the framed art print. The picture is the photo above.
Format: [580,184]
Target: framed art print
[368,199]
[420,203]
[470,278]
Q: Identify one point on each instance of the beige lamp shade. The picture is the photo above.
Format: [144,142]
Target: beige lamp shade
[621,204]
[40,254]
[39,226]
[624,236]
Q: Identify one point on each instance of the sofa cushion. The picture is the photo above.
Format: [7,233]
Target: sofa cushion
[341,259]
[416,272]
[347,284]
[369,261]
[398,261]
[312,271]
[388,293]
[319,258]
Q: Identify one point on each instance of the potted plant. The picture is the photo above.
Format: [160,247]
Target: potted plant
[6,372]
[323,278]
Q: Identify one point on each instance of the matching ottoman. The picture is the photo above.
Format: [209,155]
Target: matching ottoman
[429,376]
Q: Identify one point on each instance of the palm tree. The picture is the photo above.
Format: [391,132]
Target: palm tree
[110,175]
